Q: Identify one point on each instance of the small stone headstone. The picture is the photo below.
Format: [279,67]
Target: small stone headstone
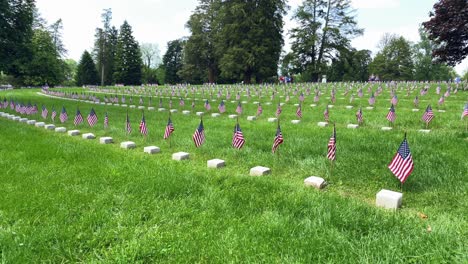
[251,118]
[103,103]
[180,156]
[255,103]
[60,129]
[389,199]
[88,136]
[215,115]
[16,118]
[330,106]
[31,122]
[313,105]
[296,104]
[40,124]
[141,107]
[268,103]
[244,102]
[415,110]
[233,116]
[128,145]
[73,132]
[186,112]
[23,120]
[233,102]
[349,107]
[315,181]
[369,108]
[353,126]
[216,163]
[272,119]
[424,130]
[259,171]
[281,104]
[150,108]
[199,113]
[161,109]
[295,121]
[123,105]
[151,149]
[441,111]
[105,140]
[386,128]
[173,110]
[322,124]
[49,127]
[132,106]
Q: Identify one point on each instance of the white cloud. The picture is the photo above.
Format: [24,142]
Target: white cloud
[374,4]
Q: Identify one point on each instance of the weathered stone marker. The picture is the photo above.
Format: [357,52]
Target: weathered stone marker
[60,129]
[386,128]
[424,130]
[272,119]
[251,118]
[415,110]
[370,108]
[186,112]
[128,145]
[40,124]
[295,121]
[49,127]
[161,109]
[141,107]
[315,181]
[150,108]
[349,107]
[389,199]
[199,113]
[232,116]
[88,136]
[151,150]
[322,124]
[23,120]
[173,110]
[215,163]
[259,171]
[31,122]
[105,140]
[73,132]
[180,156]
[353,126]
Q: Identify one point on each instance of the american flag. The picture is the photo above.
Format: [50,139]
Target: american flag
[128,126]
[301,97]
[416,101]
[428,115]
[63,115]
[316,97]
[92,118]
[259,109]
[278,110]
[331,153]
[391,116]
[372,99]
[78,118]
[299,111]
[143,128]
[181,102]
[394,100]
[207,105]
[53,114]
[44,112]
[169,129]
[359,115]
[222,107]
[402,163]
[238,96]
[238,138]
[106,121]
[465,111]
[34,109]
[360,94]
[239,108]
[438,90]
[441,100]
[326,114]
[199,135]
[278,139]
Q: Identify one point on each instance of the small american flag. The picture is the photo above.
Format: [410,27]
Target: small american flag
[316,97]
[299,111]
[331,153]
[44,112]
[238,138]
[128,126]
[78,118]
[106,121]
[402,163]
[199,135]
[278,110]
[359,115]
[169,129]
[143,128]
[53,114]
[360,94]
[465,111]
[372,99]
[239,108]
[438,90]
[92,118]
[222,107]
[278,139]
[416,101]
[428,115]
[391,116]
[301,97]
[63,115]
[441,100]
[394,100]
[207,105]
[181,102]
[326,114]
[259,109]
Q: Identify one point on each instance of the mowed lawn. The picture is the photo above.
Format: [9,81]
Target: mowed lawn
[66,199]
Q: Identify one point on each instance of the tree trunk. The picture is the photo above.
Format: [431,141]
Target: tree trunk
[247,76]
[211,75]
[322,42]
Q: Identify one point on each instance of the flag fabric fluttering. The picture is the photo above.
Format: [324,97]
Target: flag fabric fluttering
[222,107]
[326,114]
[63,115]
[45,112]
[391,116]
[259,109]
[299,111]
[106,121]
[416,101]
[331,153]
[278,139]
[238,140]
[441,100]
[199,135]
[239,108]
[402,163]
[207,105]
[53,114]
[181,102]
[465,111]
[169,129]
[143,128]
[428,115]
[128,126]
[394,100]
[372,99]
[359,115]
[278,110]
[78,118]
[92,118]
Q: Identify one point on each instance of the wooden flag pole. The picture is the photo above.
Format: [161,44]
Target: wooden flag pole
[278,148]
[169,138]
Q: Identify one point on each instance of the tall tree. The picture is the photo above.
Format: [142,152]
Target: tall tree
[105,47]
[56,33]
[394,61]
[172,61]
[324,28]
[350,65]
[150,54]
[448,28]
[128,61]
[86,72]
[16,19]
[250,39]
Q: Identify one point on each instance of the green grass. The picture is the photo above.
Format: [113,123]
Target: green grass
[65,199]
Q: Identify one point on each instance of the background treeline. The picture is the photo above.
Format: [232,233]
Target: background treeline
[230,42]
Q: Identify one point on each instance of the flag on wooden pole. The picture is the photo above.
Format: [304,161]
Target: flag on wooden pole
[278,139]
[128,127]
[238,140]
[402,163]
[428,115]
[331,153]
[465,111]
[359,115]
[169,129]
[199,135]
[106,121]
[391,116]
[92,118]
[143,127]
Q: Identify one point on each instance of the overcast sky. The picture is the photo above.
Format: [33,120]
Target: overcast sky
[159,21]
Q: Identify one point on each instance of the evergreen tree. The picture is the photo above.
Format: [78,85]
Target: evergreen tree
[86,72]
[128,61]
[325,27]
[105,47]
[350,65]
[172,61]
